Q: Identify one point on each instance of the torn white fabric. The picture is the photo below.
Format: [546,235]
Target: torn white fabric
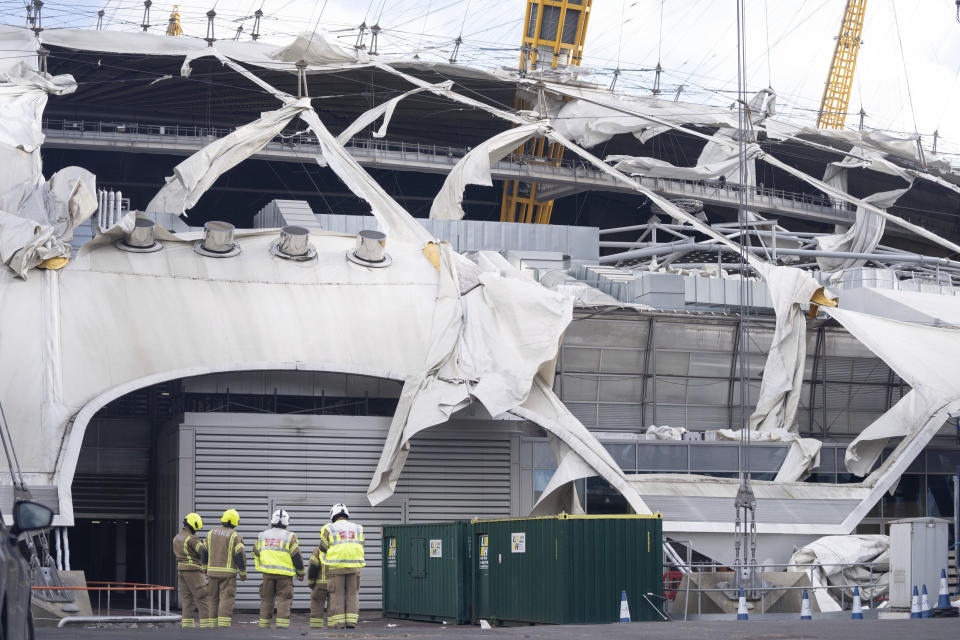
[23,95]
[318,48]
[25,243]
[846,560]
[586,295]
[862,237]
[474,168]
[393,218]
[71,199]
[790,289]
[560,494]
[195,175]
[927,358]
[543,407]
[664,432]
[593,117]
[840,195]
[386,110]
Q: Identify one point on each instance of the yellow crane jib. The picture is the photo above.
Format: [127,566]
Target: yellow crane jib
[836,93]
[553,35]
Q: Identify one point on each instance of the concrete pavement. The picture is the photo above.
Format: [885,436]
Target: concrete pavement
[245,628]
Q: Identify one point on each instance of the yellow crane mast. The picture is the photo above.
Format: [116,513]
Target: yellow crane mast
[553,36]
[836,93]
[173,26]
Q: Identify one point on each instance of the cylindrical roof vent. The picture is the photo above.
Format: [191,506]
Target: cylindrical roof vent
[370,250]
[140,239]
[294,244]
[217,240]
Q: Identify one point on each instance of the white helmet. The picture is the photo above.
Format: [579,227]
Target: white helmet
[337,509]
[280,517]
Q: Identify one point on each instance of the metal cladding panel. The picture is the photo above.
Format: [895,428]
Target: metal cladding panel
[569,569]
[714,509]
[426,571]
[451,473]
[103,496]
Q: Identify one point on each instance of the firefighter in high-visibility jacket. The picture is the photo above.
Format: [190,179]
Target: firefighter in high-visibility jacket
[341,542]
[277,556]
[318,582]
[191,558]
[226,561]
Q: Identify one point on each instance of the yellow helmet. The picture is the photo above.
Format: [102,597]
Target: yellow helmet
[193,521]
[230,516]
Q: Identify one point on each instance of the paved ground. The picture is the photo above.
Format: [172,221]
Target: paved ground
[245,629]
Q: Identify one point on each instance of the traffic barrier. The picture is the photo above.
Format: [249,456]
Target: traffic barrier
[924,603]
[856,611]
[805,612]
[915,603]
[742,607]
[624,607]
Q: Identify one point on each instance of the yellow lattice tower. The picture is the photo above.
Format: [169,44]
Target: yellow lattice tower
[173,27]
[553,36]
[836,93]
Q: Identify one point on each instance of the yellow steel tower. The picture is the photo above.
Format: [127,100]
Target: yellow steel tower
[836,93]
[554,31]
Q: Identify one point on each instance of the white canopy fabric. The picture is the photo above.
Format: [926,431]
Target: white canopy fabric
[927,358]
[38,217]
[474,168]
[195,175]
[386,110]
[802,457]
[827,556]
[318,48]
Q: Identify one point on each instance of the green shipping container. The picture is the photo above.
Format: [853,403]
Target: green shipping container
[567,569]
[426,572]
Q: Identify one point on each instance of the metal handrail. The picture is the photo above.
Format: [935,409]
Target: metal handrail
[433,152]
[156,593]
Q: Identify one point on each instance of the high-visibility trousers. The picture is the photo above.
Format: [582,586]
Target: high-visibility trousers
[344,599]
[193,596]
[223,591]
[275,590]
[318,606]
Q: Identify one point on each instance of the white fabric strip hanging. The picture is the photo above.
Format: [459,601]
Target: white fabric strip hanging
[195,175]
[474,168]
[386,110]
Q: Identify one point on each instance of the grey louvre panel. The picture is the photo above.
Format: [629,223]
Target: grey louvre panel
[105,496]
[570,23]
[550,22]
[307,463]
[532,24]
[699,509]
[47,495]
[620,417]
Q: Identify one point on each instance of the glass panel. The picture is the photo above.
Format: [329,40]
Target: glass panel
[604,499]
[766,458]
[714,457]
[907,501]
[570,22]
[549,23]
[940,496]
[532,25]
[825,478]
[943,461]
[542,457]
[540,479]
[624,454]
[869,528]
[662,457]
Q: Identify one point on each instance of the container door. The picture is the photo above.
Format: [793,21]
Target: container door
[482,588]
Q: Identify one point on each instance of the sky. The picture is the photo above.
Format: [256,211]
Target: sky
[906,78]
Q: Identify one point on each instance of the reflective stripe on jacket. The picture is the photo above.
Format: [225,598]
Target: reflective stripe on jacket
[277,551]
[189,551]
[342,543]
[317,573]
[225,553]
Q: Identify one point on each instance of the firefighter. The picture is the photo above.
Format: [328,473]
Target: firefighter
[227,561]
[277,556]
[318,582]
[341,542]
[191,558]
